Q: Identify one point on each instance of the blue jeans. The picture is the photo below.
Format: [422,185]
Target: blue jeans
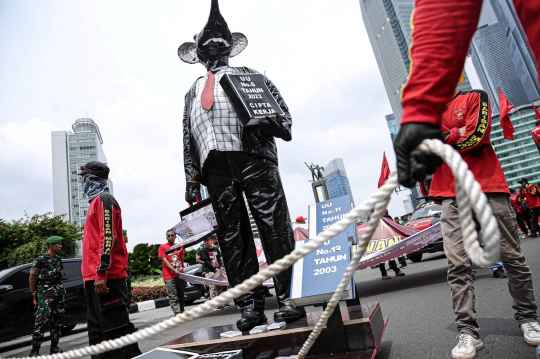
[494,267]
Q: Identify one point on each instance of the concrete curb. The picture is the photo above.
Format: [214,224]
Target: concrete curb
[148,305]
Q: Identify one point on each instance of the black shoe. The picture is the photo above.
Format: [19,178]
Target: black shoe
[35,351]
[56,350]
[499,273]
[250,319]
[289,313]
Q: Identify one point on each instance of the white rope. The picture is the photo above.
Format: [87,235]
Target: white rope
[468,190]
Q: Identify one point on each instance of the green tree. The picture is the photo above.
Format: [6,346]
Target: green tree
[190,256]
[21,241]
[144,259]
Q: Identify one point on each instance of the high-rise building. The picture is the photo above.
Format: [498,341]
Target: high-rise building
[393,126]
[412,199]
[502,57]
[336,179]
[388,26]
[204,192]
[70,151]
[519,158]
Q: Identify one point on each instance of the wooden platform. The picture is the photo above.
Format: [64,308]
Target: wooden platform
[359,336]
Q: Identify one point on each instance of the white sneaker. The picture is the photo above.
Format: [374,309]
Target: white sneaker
[531,333]
[466,347]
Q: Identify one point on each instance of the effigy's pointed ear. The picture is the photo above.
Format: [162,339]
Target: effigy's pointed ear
[187,52]
[240,42]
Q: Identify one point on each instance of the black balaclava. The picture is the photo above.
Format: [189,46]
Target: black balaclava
[215,41]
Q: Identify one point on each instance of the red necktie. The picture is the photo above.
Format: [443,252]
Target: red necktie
[207,97]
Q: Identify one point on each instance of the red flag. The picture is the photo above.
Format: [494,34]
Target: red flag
[505,106]
[385,171]
[536,112]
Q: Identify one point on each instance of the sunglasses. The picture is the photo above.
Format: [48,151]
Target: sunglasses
[171,235]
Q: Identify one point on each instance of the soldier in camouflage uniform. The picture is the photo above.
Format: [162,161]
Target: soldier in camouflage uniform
[128,279]
[48,293]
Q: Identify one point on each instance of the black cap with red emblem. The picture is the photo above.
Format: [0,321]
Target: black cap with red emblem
[95,168]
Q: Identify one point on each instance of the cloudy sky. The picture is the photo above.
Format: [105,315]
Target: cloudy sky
[116,62]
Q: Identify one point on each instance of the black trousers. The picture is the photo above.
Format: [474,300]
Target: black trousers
[108,318]
[524,222]
[392,264]
[535,212]
[228,176]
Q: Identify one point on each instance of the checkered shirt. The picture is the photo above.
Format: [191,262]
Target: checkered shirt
[218,128]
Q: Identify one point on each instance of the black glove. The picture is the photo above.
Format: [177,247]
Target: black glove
[273,127]
[193,192]
[409,137]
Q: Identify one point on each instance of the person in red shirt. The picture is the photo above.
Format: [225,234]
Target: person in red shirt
[440,42]
[466,124]
[524,222]
[172,266]
[536,135]
[530,193]
[104,264]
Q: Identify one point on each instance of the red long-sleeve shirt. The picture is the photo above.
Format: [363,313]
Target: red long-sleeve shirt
[104,252]
[442,33]
[472,111]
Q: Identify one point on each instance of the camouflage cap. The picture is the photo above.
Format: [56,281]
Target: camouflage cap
[54,239]
[124,231]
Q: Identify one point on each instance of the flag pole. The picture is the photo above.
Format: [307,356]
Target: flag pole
[519,113]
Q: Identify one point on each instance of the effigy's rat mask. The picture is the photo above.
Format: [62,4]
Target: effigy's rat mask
[215,44]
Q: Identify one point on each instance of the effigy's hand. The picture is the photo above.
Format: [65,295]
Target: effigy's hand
[273,127]
[409,137]
[193,192]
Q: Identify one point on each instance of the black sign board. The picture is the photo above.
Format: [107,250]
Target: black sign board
[250,97]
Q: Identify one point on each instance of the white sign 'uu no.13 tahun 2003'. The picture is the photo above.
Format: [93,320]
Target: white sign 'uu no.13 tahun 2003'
[316,276]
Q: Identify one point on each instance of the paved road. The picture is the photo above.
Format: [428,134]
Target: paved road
[419,306]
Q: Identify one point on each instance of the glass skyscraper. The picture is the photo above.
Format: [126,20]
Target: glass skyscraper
[70,151]
[393,126]
[388,26]
[519,158]
[412,201]
[336,179]
[502,57]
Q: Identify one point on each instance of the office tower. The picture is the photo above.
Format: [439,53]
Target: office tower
[407,204]
[501,56]
[393,126]
[519,158]
[412,199]
[388,26]
[204,192]
[70,151]
[336,179]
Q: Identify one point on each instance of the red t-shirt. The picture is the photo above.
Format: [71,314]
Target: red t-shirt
[515,202]
[176,259]
[531,194]
[472,111]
